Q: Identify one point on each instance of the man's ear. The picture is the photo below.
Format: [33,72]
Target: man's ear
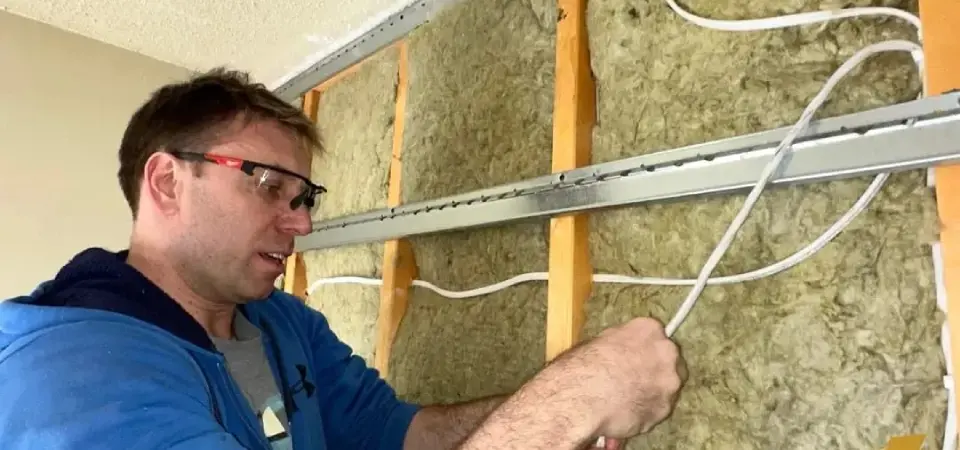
[161,182]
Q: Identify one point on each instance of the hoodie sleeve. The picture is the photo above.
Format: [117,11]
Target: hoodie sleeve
[104,385]
[361,411]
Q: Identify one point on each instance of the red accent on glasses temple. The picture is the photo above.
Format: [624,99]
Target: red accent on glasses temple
[224,160]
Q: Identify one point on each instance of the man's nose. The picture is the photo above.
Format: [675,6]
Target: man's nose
[297,222]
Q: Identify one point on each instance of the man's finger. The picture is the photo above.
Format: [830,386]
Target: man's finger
[682,369]
[612,444]
[606,443]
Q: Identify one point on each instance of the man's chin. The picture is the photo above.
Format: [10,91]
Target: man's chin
[256,292]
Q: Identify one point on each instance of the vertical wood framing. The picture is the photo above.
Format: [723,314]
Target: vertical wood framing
[399,264]
[570,279]
[908,442]
[295,277]
[340,75]
[941,44]
[295,273]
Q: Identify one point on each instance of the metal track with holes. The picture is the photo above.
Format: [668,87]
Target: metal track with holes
[910,135]
[393,28]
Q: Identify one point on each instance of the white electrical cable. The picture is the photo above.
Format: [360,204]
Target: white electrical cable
[784,264]
[754,195]
[807,18]
[703,279]
[950,436]
[796,258]
[783,22]
[791,20]
[950,427]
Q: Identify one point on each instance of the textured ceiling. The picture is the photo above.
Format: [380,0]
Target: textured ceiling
[270,39]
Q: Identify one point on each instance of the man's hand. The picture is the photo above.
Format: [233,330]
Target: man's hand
[637,374]
[620,384]
[605,444]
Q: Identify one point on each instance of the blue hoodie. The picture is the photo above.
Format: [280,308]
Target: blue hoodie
[100,357]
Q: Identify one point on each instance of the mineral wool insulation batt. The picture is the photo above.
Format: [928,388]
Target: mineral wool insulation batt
[840,352]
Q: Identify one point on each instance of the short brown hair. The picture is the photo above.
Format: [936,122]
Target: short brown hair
[193,113]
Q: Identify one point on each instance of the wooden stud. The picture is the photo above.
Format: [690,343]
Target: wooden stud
[941,47]
[295,273]
[339,76]
[399,271]
[399,264]
[907,442]
[351,69]
[570,279]
[311,105]
[295,277]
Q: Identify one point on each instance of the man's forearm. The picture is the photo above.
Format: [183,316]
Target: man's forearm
[619,384]
[444,427]
[551,411]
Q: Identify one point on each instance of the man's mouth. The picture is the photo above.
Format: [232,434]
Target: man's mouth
[274,256]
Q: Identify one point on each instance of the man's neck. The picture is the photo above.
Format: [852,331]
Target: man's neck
[215,318]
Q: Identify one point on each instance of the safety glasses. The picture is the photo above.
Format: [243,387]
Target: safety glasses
[277,182]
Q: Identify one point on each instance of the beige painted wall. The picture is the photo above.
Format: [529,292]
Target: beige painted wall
[64,102]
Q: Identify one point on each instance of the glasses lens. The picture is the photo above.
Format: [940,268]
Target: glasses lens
[307,197]
[284,188]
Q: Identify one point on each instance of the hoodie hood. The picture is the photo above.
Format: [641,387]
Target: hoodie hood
[97,283]
[100,342]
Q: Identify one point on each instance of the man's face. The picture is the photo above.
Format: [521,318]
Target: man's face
[236,229]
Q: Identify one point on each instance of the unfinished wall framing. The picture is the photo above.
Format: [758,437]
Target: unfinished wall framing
[840,352]
[355,116]
[803,359]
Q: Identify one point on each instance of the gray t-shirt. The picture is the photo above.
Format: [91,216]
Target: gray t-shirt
[248,365]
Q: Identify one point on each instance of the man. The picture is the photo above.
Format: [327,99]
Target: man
[182,342]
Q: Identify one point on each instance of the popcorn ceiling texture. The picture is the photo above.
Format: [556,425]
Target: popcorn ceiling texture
[269,39]
[841,351]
